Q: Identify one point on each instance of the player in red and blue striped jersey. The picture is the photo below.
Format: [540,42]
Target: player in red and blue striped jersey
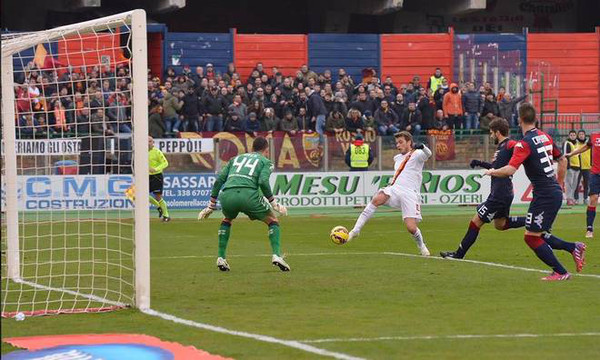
[497,206]
[593,144]
[535,152]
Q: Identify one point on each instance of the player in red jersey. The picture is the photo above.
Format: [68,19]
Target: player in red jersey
[593,144]
[535,152]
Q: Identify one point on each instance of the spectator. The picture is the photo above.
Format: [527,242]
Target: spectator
[508,108]
[435,81]
[426,107]
[257,107]
[100,125]
[27,126]
[438,98]
[410,95]
[251,125]
[473,106]
[289,124]
[354,122]
[234,123]
[210,71]
[304,122]
[439,122]
[287,89]
[156,126]
[369,121]
[386,119]
[452,107]
[170,106]
[363,104]
[214,105]
[60,117]
[269,122]
[359,156]
[490,106]
[307,73]
[238,107]
[83,123]
[335,123]
[316,110]
[573,168]
[411,120]
[191,110]
[586,164]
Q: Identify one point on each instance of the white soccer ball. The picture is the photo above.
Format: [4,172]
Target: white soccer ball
[20,316]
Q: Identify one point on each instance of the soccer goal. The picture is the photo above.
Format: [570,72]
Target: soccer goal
[75,138]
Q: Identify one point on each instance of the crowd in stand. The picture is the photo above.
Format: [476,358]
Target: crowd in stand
[97,100]
[202,99]
[74,102]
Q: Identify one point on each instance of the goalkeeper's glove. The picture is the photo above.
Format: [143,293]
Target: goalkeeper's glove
[474,164]
[207,211]
[282,210]
[418,146]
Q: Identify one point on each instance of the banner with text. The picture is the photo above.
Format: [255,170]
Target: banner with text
[47,147]
[309,189]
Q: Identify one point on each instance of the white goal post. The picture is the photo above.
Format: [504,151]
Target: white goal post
[71,240]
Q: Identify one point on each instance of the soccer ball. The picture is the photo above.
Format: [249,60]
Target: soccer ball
[339,235]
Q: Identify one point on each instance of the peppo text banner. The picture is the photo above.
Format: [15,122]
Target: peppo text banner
[185,146]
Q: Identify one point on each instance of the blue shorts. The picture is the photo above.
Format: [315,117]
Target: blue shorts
[493,209]
[543,210]
[594,184]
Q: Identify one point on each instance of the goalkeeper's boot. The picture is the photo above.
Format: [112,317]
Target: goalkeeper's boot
[160,212]
[589,234]
[166,219]
[450,254]
[222,264]
[279,262]
[352,235]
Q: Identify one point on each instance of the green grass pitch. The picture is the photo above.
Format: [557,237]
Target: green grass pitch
[357,291]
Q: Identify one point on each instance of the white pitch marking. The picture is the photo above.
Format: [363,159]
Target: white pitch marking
[290,343]
[505,266]
[488,264]
[448,337]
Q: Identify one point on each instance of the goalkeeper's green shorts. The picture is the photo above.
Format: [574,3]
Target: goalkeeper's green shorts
[244,200]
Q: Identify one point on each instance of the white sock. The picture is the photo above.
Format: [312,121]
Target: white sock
[364,217]
[418,238]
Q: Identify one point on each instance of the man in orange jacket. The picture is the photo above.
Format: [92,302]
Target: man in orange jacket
[452,107]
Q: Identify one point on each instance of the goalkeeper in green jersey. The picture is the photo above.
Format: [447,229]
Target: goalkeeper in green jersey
[157,163]
[242,183]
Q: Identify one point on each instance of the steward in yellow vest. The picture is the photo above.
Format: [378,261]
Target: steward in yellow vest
[359,156]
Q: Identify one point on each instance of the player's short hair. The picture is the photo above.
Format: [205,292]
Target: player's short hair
[500,125]
[405,135]
[259,144]
[527,113]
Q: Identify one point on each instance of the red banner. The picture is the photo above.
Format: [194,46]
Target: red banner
[444,144]
[301,151]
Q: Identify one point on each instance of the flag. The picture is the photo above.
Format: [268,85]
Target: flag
[40,56]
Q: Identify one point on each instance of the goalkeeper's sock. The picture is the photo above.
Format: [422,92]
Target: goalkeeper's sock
[274,238]
[153,201]
[163,205]
[364,217]
[224,231]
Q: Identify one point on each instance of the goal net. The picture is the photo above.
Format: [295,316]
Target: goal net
[74,131]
